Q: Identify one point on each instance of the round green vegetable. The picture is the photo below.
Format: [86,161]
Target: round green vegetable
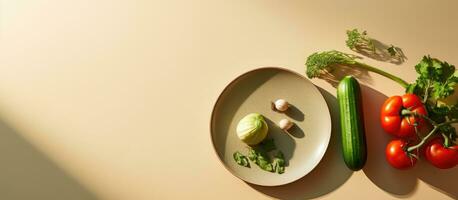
[252,129]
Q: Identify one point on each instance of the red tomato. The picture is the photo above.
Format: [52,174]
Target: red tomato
[397,155]
[440,156]
[392,120]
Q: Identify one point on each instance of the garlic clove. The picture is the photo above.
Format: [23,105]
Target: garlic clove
[281,105]
[285,124]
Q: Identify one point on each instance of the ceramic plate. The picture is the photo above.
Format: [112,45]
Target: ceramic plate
[253,91]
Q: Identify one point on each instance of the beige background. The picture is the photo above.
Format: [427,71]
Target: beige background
[107,99]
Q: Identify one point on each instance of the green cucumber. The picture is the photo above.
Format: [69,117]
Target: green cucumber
[352,123]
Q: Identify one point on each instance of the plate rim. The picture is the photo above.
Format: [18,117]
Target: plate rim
[219,99]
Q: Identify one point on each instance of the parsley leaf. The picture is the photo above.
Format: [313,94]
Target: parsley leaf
[453,112]
[449,131]
[438,113]
[437,79]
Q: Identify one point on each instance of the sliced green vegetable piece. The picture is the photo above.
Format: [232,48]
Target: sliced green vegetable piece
[241,160]
[279,163]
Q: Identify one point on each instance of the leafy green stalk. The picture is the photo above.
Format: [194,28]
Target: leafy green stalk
[322,62]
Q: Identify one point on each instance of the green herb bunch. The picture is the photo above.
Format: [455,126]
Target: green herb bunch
[435,82]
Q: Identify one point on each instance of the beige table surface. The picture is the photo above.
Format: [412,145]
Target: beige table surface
[107,99]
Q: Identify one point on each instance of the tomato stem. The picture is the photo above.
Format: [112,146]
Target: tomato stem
[423,140]
[446,140]
[425,98]
[408,112]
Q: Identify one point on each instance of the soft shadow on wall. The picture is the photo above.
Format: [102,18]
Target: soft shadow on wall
[26,173]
